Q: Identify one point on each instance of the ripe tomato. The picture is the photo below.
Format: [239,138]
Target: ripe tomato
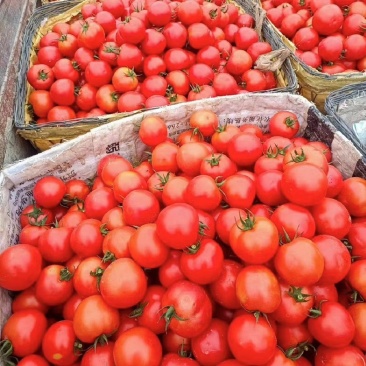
[87,238]
[291,335]
[159,14]
[107,98]
[205,121]
[132,29]
[157,181]
[245,37]
[163,157]
[137,345]
[190,12]
[20,267]
[54,245]
[202,263]
[268,187]
[353,196]
[355,277]
[115,243]
[70,306]
[140,207]
[328,19]
[154,42]
[146,248]
[86,97]
[308,184]
[188,315]
[299,262]
[335,182]
[24,331]
[224,84]
[225,221]
[170,271]
[251,339]
[27,300]
[332,325]
[174,359]
[54,285]
[99,355]
[49,55]
[257,289]
[178,234]
[49,191]
[62,92]
[33,360]
[129,56]
[123,276]
[58,343]
[92,36]
[93,318]
[295,305]
[174,190]
[98,73]
[41,102]
[153,131]
[222,136]
[293,220]
[244,149]
[358,313]
[285,124]
[211,346]
[348,355]
[254,240]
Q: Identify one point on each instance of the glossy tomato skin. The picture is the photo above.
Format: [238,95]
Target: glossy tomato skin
[251,341]
[94,317]
[356,237]
[27,300]
[334,327]
[331,218]
[178,234]
[212,346]
[225,221]
[137,346]
[58,343]
[123,276]
[290,335]
[49,191]
[348,355]
[203,265]
[25,330]
[100,355]
[20,267]
[254,240]
[353,196]
[295,304]
[306,252]
[52,288]
[33,360]
[99,202]
[174,359]
[337,259]
[244,149]
[170,272]
[238,191]
[193,310]
[223,290]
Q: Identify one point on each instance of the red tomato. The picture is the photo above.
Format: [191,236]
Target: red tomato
[225,221]
[190,12]
[257,289]
[154,42]
[289,336]
[202,263]
[190,156]
[295,305]
[113,219]
[58,343]
[178,234]
[268,187]
[170,271]
[137,346]
[99,355]
[98,73]
[331,218]
[33,360]
[348,355]
[41,102]
[24,331]
[245,37]
[173,359]
[211,346]
[70,306]
[173,190]
[93,318]
[92,36]
[140,207]
[251,339]
[133,30]
[126,182]
[292,220]
[299,262]
[115,243]
[129,56]
[244,149]
[49,191]
[332,325]
[188,315]
[353,196]
[254,240]
[153,131]
[355,277]
[225,84]
[205,121]
[49,55]
[20,267]
[284,124]
[27,300]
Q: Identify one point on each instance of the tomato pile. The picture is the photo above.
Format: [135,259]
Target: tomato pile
[148,54]
[328,34]
[227,247]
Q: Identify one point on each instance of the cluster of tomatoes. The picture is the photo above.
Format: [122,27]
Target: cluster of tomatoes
[146,54]
[223,249]
[328,34]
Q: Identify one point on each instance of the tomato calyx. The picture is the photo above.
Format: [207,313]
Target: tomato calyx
[35,214]
[66,275]
[213,13]
[297,295]
[222,128]
[297,157]
[193,249]
[84,28]
[6,353]
[164,179]
[138,311]
[290,122]
[316,312]
[98,273]
[224,8]
[78,348]
[246,224]
[169,315]
[42,75]
[215,160]
[108,257]
[271,153]
[294,353]
[110,49]
[202,228]
[103,230]
[285,239]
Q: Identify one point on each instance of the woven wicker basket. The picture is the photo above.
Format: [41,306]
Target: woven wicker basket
[313,85]
[45,136]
